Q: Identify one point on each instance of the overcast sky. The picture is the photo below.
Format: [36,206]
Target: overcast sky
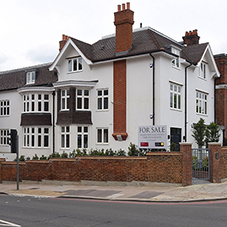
[30,30]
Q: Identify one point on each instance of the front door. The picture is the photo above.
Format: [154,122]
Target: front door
[175,138]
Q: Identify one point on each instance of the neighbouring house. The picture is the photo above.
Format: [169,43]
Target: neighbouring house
[96,95]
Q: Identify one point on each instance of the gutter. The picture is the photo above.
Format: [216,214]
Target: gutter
[53,93]
[153,88]
[185,102]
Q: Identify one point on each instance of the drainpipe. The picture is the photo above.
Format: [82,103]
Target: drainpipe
[153,88]
[185,102]
[53,93]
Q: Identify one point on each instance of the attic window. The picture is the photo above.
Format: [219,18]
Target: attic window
[202,72]
[75,65]
[175,60]
[30,77]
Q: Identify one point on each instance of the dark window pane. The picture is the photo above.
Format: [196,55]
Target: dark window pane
[100,93]
[39,106]
[86,92]
[99,103]
[39,141]
[80,63]
[105,136]
[33,140]
[105,92]
[62,140]
[46,141]
[86,103]
[67,140]
[79,103]
[99,139]
[75,65]
[79,141]
[46,106]
[105,103]
[85,141]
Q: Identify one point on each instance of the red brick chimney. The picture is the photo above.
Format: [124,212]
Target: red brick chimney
[191,37]
[63,42]
[123,22]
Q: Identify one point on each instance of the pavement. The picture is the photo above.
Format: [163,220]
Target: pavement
[119,191]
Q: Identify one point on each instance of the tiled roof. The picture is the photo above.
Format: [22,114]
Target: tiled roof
[14,79]
[145,40]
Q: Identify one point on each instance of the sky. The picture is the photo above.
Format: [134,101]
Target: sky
[30,30]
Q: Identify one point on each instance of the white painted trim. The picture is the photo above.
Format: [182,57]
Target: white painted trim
[74,83]
[35,89]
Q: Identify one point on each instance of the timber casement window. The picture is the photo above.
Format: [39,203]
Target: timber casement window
[102,99]
[4,108]
[75,65]
[65,137]
[4,136]
[36,102]
[175,96]
[102,135]
[30,77]
[201,103]
[82,99]
[37,137]
[176,60]
[202,71]
[82,136]
[65,99]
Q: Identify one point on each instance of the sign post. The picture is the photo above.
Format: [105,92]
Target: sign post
[152,137]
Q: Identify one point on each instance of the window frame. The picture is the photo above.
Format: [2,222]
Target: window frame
[30,77]
[65,99]
[83,97]
[4,137]
[203,70]
[65,134]
[102,97]
[175,93]
[176,60]
[103,138]
[4,108]
[35,102]
[75,68]
[201,103]
[83,134]
[35,137]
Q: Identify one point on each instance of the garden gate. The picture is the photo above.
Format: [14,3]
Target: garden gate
[201,163]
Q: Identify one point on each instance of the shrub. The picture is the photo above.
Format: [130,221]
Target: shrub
[64,155]
[35,157]
[43,157]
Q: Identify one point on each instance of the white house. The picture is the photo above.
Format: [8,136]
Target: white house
[104,91]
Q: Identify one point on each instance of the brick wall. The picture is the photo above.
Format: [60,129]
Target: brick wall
[223,162]
[155,167]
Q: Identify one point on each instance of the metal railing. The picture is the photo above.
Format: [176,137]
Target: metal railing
[201,163]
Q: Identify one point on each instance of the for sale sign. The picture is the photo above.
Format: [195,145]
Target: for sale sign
[153,137]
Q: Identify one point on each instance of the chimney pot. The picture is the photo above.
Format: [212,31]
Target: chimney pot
[63,37]
[119,8]
[123,6]
[128,5]
[190,33]
[186,33]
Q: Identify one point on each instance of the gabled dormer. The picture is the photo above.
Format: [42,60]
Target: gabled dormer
[30,77]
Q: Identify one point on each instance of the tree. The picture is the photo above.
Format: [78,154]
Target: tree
[212,133]
[204,134]
[199,132]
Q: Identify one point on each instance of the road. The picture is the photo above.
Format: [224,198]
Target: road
[34,212]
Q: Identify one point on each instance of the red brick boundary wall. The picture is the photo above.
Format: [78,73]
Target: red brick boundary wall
[155,167]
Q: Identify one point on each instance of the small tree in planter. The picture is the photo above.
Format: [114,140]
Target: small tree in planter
[212,133]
